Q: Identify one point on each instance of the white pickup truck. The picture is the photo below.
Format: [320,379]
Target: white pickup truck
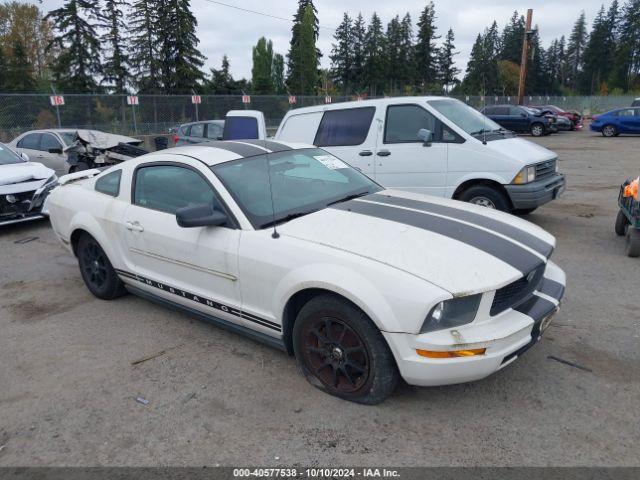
[434,145]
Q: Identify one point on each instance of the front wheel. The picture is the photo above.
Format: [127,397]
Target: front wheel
[341,352]
[633,242]
[609,131]
[97,272]
[537,130]
[484,196]
[622,224]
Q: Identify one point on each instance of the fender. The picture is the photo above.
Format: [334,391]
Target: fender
[479,176]
[84,221]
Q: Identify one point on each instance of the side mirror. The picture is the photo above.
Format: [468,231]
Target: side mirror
[24,156]
[426,136]
[55,150]
[200,216]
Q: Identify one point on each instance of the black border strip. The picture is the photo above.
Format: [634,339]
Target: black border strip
[531,241]
[238,148]
[269,144]
[504,250]
[552,288]
[536,307]
[201,300]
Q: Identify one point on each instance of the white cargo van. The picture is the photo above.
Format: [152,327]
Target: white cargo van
[433,145]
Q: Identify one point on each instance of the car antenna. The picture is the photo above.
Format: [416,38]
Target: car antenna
[275,233]
[484,104]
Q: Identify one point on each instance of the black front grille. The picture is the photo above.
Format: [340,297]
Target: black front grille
[545,169]
[20,205]
[516,292]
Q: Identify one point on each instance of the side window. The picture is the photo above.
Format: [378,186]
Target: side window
[404,121]
[31,141]
[501,110]
[238,128]
[214,131]
[110,183]
[197,130]
[168,188]
[49,142]
[185,129]
[489,111]
[344,127]
[515,111]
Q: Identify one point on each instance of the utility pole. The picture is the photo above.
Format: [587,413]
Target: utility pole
[525,56]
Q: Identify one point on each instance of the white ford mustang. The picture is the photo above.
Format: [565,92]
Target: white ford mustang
[290,245]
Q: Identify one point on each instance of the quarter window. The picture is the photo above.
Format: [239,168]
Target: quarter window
[168,188]
[197,130]
[214,131]
[344,127]
[31,141]
[110,183]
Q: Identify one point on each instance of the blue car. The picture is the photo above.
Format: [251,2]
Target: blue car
[615,122]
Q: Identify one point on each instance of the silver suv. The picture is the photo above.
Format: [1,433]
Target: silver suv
[197,132]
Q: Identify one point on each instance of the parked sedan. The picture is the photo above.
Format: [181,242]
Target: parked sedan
[291,246]
[198,132]
[574,117]
[615,122]
[24,186]
[520,119]
[636,103]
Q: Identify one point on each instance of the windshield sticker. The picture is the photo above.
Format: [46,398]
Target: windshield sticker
[331,162]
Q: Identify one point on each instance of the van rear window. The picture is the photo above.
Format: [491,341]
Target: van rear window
[240,128]
[344,127]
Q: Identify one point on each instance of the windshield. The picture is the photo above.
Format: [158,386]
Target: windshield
[467,118]
[302,181]
[8,156]
[68,137]
[531,110]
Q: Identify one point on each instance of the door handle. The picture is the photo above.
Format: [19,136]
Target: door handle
[384,153]
[134,226]
[365,153]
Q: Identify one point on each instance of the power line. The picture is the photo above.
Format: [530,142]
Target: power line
[261,13]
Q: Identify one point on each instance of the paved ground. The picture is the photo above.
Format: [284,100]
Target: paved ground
[68,388]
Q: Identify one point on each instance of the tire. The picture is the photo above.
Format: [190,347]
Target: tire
[609,131]
[96,270]
[486,197]
[524,211]
[537,130]
[341,352]
[621,224]
[633,242]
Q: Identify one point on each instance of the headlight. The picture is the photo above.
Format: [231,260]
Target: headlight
[526,175]
[51,179]
[452,313]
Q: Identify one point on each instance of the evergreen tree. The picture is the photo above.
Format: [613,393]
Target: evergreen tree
[144,45]
[426,50]
[374,56]
[78,63]
[358,57]
[277,73]
[447,70]
[221,81]
[596,55]
[261,73]
[303,60]
[407,66]
[627,69]
[342,55]
[19,71]
[535,82]
[474,83]
[491,46]
[115,67]
[292,56]
[575,50]
[3,71]
[563,72]
[393,55]
[512,36]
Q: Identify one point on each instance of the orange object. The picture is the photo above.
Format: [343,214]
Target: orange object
[631,190]
[452,353]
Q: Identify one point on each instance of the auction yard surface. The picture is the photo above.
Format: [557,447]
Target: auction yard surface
[68,387]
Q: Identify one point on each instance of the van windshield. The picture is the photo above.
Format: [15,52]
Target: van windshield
[467,118]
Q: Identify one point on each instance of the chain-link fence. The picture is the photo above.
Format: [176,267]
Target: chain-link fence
[160,114]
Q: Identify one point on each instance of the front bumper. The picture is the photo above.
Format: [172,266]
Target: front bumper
[505,337]
[27,209]
[535,194]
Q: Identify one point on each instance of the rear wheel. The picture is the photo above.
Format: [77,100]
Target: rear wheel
[621,224]
[609,131]
[97,272]
[341,352]
[633,242]
[537,130]
[486,197]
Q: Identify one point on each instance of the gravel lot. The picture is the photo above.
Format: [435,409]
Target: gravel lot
[68,386]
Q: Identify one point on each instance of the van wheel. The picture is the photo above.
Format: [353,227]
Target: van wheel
[622,224]
[633,242]
[486,197]
[537,130]
[523,211]
[96,270]
[609,131]
[341,352]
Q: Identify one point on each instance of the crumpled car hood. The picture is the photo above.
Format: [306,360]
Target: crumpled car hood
[18,177]
[104,140]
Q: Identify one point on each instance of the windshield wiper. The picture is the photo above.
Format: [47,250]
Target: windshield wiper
[286,218]
[349,197]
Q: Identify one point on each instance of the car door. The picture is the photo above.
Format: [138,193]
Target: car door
[402,160]
[518,119]
[51,154]
[195,267]
[636,121]
[628,121]
[30,144]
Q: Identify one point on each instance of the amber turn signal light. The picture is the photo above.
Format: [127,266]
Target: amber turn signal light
[452,353]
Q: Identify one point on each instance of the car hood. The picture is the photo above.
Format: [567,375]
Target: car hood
[521,150]
[459,247]
[104,140]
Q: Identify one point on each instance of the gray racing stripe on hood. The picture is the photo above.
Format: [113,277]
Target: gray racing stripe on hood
[519,235]
[504,250]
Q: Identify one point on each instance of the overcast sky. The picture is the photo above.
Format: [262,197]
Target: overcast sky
[227,30]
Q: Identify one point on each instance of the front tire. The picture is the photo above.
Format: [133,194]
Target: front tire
[622,224]
[633,242]
[341,352]
[96,270]
[537,130]
[486,197]
[609,131]
[524,211]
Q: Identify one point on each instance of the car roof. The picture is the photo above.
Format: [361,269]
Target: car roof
[219,122]
[366,103]
[216,152]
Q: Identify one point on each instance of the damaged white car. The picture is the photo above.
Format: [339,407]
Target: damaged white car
[24,186]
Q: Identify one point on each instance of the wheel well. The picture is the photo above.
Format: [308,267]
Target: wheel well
[75,238]
[483,182]
[293,307]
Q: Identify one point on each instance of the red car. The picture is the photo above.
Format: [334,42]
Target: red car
[575,117]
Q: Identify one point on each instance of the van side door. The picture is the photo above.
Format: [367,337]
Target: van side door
[402,160]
